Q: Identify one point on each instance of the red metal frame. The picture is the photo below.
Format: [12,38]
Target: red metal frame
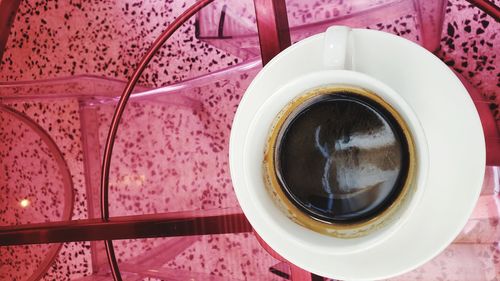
[488,7]
[201,222]
[272,24]
[108,149]
[274,31]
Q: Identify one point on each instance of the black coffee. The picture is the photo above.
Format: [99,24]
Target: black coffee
[341,157]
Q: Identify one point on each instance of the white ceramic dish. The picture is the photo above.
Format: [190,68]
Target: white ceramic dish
[257,137]
[455,145]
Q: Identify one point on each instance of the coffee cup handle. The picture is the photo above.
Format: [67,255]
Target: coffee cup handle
[338,48]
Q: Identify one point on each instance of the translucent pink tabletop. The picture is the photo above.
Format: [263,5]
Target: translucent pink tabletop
[172,148]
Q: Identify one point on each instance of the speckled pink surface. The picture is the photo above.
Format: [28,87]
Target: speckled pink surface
[171,151]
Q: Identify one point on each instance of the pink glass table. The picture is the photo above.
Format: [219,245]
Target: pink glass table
[169,178]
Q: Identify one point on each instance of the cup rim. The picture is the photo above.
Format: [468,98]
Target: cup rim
[336,229]
[274,103]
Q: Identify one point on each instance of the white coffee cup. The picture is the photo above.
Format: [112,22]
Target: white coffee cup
[451,154]
[338,63]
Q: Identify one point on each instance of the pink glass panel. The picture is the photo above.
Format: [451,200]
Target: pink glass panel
[35,187]
[190,122]
[163,117]
[231,25]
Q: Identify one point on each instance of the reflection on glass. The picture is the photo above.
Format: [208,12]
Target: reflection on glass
[24,203]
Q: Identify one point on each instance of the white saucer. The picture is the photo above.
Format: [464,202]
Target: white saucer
[455,142]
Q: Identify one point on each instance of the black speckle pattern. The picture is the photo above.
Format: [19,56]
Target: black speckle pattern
[153,168]
[470,45]
[59,38]
[31,173]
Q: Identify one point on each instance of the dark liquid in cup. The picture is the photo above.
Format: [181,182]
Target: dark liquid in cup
[341,157]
